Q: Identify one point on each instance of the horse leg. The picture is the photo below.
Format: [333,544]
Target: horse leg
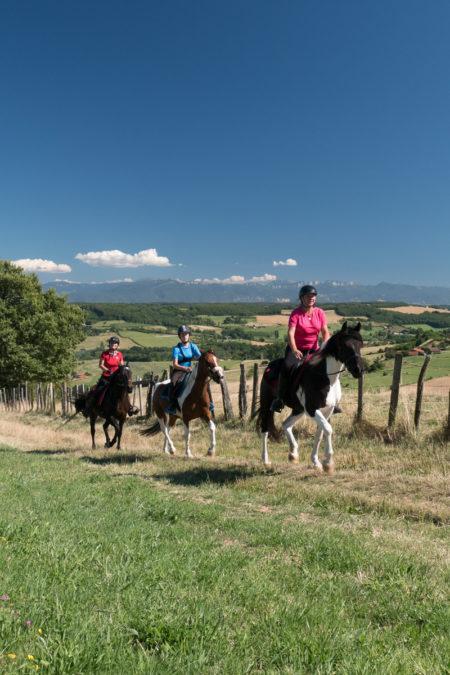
[187,437]
[167,440]
[265,453]
[323,427]
[119,433]
[110,443]
[92,419]
[106,424]
[288,425]
[212,441]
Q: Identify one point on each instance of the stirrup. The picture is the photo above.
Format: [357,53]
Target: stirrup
[277,405]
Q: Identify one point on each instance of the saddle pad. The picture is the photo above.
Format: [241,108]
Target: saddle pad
[164,393]
[272,373]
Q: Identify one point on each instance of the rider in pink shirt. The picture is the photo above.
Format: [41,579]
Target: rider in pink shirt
[305,324]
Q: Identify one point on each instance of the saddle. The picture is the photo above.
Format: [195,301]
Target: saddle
[272,373]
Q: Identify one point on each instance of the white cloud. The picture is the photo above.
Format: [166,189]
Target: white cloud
[147,258]
[65,281]
[289,262]
[265,277]
[39,265]
[235,279]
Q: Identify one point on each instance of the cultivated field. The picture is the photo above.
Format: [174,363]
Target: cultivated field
[413,309]
[141,563]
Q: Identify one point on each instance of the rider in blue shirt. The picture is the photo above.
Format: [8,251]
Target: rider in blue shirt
[182,355]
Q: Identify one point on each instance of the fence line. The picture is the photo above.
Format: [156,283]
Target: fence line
[50,398]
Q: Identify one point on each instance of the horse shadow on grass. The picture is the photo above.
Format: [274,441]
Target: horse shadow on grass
[198,476]
[130,458]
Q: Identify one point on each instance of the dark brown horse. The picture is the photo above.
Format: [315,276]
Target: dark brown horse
[194,402]
[315,390]
[113,405]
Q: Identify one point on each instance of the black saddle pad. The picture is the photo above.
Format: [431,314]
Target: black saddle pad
[272,372]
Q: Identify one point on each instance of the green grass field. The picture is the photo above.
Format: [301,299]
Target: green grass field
[134,562]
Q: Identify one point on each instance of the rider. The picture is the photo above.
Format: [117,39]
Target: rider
[182,355]
[305,324]
[110,360]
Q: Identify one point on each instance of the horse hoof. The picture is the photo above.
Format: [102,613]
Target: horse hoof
[268,463]
[211,453]
[328,468]
[318,468]
[293,459]
[107,445]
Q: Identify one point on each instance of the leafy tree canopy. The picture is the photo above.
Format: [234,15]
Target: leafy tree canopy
[39,331]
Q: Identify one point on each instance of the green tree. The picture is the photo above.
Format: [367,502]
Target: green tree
[39,331]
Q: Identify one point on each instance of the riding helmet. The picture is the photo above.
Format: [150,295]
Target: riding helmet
[307,289]
[113,339]
[183,329]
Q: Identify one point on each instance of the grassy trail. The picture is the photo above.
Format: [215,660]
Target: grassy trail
[134,562]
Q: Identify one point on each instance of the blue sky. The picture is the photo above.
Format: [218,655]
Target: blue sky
[198,140]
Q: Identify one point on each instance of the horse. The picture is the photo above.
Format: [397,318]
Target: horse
[113,405]
[194,402]
[314,389]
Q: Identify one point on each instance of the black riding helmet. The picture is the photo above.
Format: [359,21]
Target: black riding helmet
[307,289]
[113,340]
[183,329]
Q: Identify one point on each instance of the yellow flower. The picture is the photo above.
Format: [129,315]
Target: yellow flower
[31,657]
[39,630]
[11,656]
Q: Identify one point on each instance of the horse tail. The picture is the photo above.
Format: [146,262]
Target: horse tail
[151,431]
[265,417]
[80,402]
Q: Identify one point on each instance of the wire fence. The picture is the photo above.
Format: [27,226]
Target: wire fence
[233,397]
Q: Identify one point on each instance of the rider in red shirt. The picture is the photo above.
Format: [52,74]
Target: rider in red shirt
[110,360]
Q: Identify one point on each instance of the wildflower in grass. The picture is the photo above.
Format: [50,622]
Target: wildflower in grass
[40,631]
[5,597]
[28,623]
[11,656]
[30,657]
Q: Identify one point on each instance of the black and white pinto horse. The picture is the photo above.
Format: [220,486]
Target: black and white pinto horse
[314,389]
[193,402]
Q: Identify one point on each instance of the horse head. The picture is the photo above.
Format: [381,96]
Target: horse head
[122,378]
[210,361]
[348,343]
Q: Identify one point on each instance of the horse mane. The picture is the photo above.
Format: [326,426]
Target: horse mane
[329,347]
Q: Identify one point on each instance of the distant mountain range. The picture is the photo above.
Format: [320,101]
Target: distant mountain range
[173,290]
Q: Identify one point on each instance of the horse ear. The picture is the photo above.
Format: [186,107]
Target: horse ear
[127,364]
[358,326]
[211,350]
[344,326]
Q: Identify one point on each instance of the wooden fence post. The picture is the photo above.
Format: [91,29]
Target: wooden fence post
[227,407]
[63,398]
[243,393]
[396,379]
[140,395]
[360,396]
[255,389]
[419,395]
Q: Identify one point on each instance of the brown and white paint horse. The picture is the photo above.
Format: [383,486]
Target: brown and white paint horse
[315,390]
[194,403]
